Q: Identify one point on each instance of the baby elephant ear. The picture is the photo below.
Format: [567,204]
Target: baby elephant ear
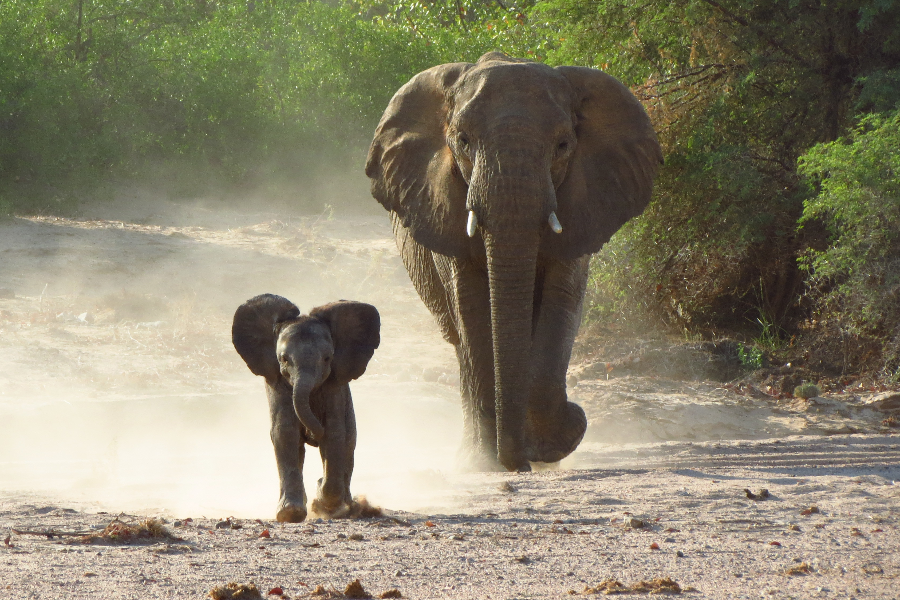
[253,331]
[355,330]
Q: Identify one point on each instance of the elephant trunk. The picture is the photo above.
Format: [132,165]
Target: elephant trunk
[301,393]
[512,265]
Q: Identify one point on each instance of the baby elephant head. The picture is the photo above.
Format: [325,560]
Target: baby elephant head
[333,343]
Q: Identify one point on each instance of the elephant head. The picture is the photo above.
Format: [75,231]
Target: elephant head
[514,161]
[333,342]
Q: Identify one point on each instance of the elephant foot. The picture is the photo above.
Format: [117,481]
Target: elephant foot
[291,513]
[478,459]
[552,438]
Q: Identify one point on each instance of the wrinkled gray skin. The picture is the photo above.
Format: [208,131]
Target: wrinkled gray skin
[515,150]
[307,362]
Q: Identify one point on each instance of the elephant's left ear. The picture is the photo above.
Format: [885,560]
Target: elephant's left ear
[355,331]
[610,175]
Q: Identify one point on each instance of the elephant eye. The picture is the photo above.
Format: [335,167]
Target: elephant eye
[562,148]
[463,142]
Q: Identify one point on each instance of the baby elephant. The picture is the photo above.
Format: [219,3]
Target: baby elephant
[308,362]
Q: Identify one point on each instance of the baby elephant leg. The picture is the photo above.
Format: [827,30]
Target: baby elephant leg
[333,498]
[289,454]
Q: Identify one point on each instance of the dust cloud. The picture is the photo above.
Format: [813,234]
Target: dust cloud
[119,387]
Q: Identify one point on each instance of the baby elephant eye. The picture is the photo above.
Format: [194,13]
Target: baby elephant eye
[562,148]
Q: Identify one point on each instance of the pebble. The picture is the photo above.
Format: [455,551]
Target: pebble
[634,523]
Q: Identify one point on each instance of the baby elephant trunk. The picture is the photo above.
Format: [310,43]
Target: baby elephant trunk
[302,390]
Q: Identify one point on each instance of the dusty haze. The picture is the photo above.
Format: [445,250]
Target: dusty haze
[120,390]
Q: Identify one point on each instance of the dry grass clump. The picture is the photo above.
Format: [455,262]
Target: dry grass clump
[119,532]
[663,585]
[354,590]
[235,591]
[801,569]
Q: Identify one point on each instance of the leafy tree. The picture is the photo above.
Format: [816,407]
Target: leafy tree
[856,277]
[737,91]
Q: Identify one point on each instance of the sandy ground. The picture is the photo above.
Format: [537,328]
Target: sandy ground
[120,394]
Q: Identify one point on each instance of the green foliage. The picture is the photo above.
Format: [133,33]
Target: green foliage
[807,391]
[751,357]
[189,93]
[856,277]
[737,92]
[462,30]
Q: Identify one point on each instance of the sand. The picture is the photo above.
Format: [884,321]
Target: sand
[121,397]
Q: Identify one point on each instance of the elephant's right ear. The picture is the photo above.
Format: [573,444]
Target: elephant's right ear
[412,169]
[253,331]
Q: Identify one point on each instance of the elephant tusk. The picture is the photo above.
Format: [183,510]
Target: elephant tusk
[554,223]
[471,224]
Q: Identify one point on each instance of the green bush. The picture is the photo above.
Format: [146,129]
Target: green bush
[807,391]
[855,279]
[192,96]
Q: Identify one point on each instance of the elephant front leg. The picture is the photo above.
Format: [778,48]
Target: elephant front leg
[555,426]
[333,497]
[289,454]
[475,353]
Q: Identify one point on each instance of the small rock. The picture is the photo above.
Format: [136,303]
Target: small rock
[523,560]
[356,537]
[508,488]
[634,523]
[341,536]
[762,494]
[679,554]
[887,401]
[223,525]
[571,381]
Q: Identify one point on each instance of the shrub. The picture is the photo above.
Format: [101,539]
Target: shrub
[855,279]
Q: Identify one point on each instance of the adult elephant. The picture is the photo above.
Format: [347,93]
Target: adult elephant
[502,177]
